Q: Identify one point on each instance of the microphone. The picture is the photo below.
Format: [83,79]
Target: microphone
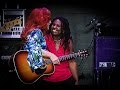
[91,21]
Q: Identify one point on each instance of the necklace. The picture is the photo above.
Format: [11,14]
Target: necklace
[57,40]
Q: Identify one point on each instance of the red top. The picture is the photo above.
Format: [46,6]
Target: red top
[62,71]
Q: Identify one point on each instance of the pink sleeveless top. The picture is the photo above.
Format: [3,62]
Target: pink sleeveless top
[62,71]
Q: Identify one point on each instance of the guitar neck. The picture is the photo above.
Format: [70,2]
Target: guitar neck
[68,57]
[82,54]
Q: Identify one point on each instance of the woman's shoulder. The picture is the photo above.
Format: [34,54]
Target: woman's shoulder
[36,31]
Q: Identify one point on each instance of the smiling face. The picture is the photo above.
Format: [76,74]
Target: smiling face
[56,27]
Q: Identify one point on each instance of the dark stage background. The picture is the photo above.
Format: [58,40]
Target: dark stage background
[94,26]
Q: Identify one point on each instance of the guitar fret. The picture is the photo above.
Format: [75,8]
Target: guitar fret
[76,54]
[70,56]
[66,57]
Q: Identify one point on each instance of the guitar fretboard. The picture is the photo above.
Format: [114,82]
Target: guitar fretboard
[68,57]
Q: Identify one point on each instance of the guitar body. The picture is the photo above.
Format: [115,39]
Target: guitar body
[27,76]
[24,71]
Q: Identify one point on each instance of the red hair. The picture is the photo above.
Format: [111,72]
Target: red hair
[39,17]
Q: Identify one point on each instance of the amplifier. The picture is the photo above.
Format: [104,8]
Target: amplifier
[8,46]
[107,52]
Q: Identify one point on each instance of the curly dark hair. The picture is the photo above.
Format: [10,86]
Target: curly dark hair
[66,34]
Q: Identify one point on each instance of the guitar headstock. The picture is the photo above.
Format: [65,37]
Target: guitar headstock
[83,53]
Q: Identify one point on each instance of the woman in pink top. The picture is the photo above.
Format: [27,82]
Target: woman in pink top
[59,42]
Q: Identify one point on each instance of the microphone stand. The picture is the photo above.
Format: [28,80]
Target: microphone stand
[96,32]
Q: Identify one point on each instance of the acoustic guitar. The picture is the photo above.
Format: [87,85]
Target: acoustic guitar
[27,76]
